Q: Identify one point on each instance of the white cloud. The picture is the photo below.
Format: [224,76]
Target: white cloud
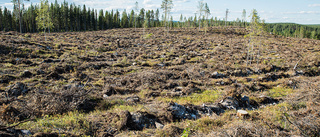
[7,5]
[182,1]
[108,5]
[149,5]
[309,12]
[147,2]
[314,5]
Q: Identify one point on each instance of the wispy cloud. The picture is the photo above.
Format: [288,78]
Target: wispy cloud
[303,12]
[314,5]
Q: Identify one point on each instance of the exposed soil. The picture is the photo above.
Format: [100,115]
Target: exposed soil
[100,70]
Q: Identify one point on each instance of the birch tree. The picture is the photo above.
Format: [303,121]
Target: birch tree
[200,10]
[136,9]
[43,19]
[227,12]
[244,16]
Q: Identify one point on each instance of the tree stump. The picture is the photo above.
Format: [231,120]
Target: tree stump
[242,114]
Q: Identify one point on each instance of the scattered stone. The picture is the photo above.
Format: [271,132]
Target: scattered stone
[159,125]
[144,120]
[217,75]
[161,64]
[210,110]
[26,132]
[298,73]
[246,101]
[132,99]
[229,103]
[181,112]
[126,121]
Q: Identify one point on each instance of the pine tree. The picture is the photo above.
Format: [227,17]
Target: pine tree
[157,16]
[131,19]
[107,22]
[180,21]
[141,17]
[206,13]
[84,18]
[166,6]
[101,20]
[17,6]
[152,19]
[302,32]
[7,20]
[1,19]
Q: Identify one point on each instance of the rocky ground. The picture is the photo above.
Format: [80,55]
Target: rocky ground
[185,82]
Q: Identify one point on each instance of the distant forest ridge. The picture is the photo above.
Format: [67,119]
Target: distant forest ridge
[294,30]
[71,17]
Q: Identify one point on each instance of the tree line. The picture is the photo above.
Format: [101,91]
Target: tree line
[70,17]
[294,30]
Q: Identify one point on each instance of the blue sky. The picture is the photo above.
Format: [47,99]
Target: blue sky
[295,11]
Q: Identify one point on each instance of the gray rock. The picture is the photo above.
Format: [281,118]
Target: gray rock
[159,125]
[217,75]
[26,132]
[245,99]
[229,103]
[144,120]
[181,112]
[132,99]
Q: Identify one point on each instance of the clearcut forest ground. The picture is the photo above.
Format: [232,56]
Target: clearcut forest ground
[127,82]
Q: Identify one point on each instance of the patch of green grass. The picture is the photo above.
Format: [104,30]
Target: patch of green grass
[207,96]
[195,59]
[148,36]
[122,107]
[72,122]
[279,92]
[7,65]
